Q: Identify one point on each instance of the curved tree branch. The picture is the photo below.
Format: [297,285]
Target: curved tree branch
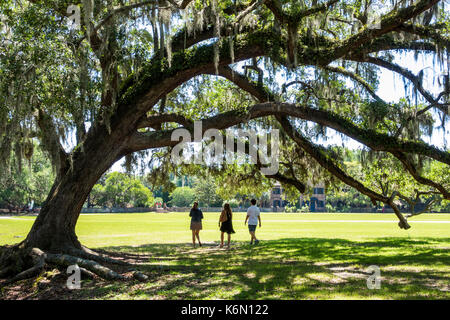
[428,32]
[388,23]
[410,76]
[415,174]
[50,141]
[156,120]
[374,140]
[358,79]
[320,155]
[257,90]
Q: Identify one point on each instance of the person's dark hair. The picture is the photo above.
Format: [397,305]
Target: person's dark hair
[195,205]
[253,201]
[227,208]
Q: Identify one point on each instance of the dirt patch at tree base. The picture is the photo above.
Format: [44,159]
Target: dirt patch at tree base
[51,284]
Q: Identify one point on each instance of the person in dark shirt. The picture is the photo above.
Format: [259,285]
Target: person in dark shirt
[196,223]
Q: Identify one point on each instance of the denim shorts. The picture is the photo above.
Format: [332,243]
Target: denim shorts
[252,227]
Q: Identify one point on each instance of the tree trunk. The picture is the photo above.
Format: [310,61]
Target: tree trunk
[54,228]
[53,233]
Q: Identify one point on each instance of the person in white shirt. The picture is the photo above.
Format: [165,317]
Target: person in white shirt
[253,216]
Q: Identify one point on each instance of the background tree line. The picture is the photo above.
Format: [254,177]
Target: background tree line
[32,179]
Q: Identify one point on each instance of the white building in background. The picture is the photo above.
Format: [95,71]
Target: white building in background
[316,202]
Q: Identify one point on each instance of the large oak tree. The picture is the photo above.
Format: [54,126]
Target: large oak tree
[115,82]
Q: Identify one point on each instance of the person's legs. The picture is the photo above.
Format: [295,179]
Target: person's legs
[193,237]
[221,240]
[254,235]
[251,229]
[198,238]
[229,240]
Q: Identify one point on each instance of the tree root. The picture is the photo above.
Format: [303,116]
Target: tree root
[90,265]
[87,253]
[140,276]
[38,257]
[33,261]
[86,273]
[4,272]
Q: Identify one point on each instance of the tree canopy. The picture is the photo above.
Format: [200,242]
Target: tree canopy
[121,78]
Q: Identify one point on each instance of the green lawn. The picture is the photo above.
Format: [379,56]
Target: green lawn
[301,256]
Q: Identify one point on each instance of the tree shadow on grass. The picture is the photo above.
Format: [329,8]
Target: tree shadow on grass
[306,268]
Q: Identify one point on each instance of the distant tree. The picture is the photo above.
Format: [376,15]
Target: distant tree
[98,196]
[30,181]
[182,197]
[121,190]
[342,198]
[234,203]
[157,200]
[205,191]
[163,194]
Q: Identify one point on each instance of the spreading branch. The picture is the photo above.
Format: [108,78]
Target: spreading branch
[428,32]
[282,17]
[356,78]
[416,80]
[50,140]
[376,141]
[388,23]
[154,121]
[320,155]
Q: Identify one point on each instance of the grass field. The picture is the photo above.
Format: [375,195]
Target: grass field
[301,256]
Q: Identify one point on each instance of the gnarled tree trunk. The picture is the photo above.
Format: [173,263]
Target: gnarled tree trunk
[54,228]
[53,231]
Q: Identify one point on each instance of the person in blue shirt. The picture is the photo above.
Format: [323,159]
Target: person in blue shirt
[196,223]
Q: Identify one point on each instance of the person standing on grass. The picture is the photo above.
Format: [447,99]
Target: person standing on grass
[226,224]
[196,223]
[253,216]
